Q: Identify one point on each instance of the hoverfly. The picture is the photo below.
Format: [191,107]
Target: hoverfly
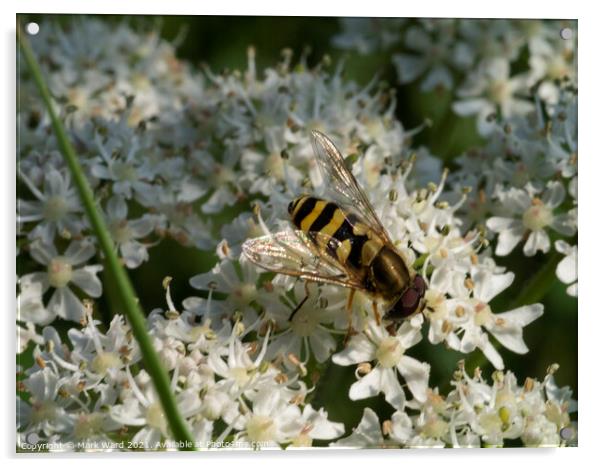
[341,241]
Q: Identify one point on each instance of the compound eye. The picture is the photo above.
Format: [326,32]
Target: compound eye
[409,299]
[419,285]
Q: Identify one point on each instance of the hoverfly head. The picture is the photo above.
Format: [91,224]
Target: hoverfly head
[409,302]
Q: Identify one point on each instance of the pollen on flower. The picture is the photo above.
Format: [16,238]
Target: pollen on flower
[434,427]
[261,428]
[44,411]
[274,166]
[106,361]
[60,272]
[436,305]
[55,208]
[87,425]
[121,231]
[245,294]
[537,216]
[239,375]
[499,91]
[124,171]
[155,416]
[389,352]
[483,314]
[306,321]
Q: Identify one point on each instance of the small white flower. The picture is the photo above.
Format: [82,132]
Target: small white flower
[62,273]
[308,332]
[143,409]
[388,354]
[57,210]
[44,411]
[535,214]
[241,288]
[130,174]
[271,420]
[126,232]
[489,89]
[433,53]
[367,434]
[316,426]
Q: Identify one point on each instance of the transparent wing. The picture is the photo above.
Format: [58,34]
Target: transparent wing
[343,185]
[293,253]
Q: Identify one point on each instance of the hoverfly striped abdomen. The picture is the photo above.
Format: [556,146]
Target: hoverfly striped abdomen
[322,220]
[380,268]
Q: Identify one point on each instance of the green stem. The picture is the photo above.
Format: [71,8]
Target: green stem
[536,289]
[125,289]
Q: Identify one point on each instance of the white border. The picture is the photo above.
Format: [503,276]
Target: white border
[590,323]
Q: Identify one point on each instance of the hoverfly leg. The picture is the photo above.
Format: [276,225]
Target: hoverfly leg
[301,303]
[376,314]
[349,309]
[350,301]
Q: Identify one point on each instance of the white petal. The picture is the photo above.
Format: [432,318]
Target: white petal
[322,428]
[133,254]
[402,427]
[117,208]
[492,355]
[416,375]
[409,67]
[322,344]
[223,196]
[471,106]
[538,241]
[79,252]
[554,195]
[265,402]
[564,224]
[366,434]
[368,386]
[358,350]
[438,76]
[54,184]
[65,304]
[508,239]
[143,226]
[409,335]
[87,280]
[42,252]
[572,290]
[510,332]
[489,285]
[523,315]
[391,388]
[499,224]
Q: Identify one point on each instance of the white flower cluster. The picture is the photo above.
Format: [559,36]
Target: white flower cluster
[491,65]
[170,152]
[524,183]
[90,393]
[476,413]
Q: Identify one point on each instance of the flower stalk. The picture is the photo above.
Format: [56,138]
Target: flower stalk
[159,376]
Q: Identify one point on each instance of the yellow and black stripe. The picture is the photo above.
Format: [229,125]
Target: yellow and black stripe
[314,215]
